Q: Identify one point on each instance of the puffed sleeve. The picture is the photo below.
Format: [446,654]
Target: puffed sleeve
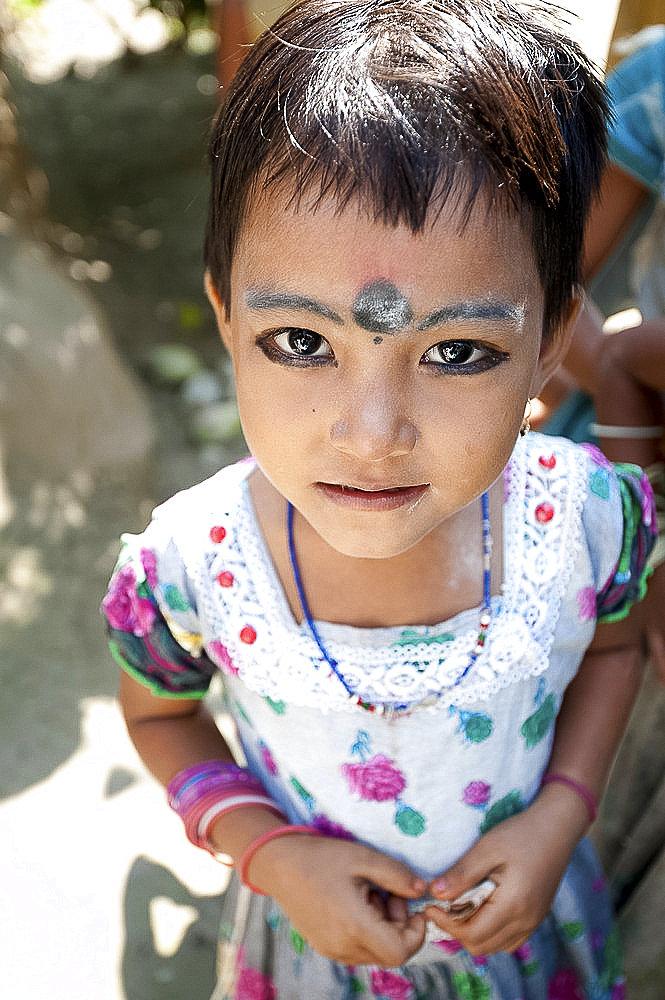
[152,620]
[620,521]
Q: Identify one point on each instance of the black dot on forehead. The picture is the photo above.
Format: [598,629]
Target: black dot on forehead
[380,307]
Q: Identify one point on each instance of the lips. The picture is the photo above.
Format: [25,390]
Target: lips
[354,498]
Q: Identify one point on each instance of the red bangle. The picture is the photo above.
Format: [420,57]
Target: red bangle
[279,831]
[589,798]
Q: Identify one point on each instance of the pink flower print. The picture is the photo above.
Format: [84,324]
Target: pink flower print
[123,607]
[598,884]
[523,953]
[254,985]
[331,829]
[618,992]
[586,604]
[480,961]
[149,563]
[389,985]
[268,759]
[565,986]
[376,780]
[220,655]
[450,945]
[476,794]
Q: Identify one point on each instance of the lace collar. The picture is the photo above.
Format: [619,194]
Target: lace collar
[253,633]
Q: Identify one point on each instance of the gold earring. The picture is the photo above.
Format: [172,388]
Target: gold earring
[526,422]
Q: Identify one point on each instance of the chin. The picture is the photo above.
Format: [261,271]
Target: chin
[364,546]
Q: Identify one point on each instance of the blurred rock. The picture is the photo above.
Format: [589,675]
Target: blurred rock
[171,364]
[217,423]
[66,399]
[201,389]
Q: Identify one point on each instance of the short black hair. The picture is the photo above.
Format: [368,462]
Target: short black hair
[399,107]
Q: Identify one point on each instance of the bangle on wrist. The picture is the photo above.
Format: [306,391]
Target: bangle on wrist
[279,831]
[588,797]
[204,792]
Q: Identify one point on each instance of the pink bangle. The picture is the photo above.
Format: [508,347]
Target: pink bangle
[589,798]
[279,831]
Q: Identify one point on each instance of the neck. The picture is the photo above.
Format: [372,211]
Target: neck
[428,584]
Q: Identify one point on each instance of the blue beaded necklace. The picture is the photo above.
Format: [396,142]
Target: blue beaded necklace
[485,611]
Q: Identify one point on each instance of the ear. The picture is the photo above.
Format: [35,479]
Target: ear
[219,310]
[554,350]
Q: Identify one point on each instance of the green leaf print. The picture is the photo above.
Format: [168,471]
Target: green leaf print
[298,942]
[306,796]
[536,726]
[478,728]
[470,987]
[174,598]
[613,954]
[279,707]
[410,636]
[510,805]
[356,985]
[600,484]
[242,713]
[573,930]
[409,821]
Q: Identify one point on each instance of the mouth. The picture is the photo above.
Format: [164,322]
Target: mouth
[355,498]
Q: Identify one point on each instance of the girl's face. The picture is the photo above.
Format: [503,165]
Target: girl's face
[382,376]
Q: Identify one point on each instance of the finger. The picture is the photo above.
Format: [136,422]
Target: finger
[390,874]
[394,943]
[469,872]
[397,909]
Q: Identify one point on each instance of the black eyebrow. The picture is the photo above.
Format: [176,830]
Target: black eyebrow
[469,311]
[262,299]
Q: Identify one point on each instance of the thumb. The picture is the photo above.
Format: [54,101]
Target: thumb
[465,874]
[390,874]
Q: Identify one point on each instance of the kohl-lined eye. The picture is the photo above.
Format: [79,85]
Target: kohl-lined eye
[303,343]
[294,344]
[463,356]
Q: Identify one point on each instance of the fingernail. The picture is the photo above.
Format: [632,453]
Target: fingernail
[439,886]
[419,885]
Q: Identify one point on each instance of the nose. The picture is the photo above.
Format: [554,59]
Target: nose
[374,425]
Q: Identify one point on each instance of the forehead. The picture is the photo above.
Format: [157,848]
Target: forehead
[340,254]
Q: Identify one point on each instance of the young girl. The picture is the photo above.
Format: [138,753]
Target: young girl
[400,591]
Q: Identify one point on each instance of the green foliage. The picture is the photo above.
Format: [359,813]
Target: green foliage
[191,13]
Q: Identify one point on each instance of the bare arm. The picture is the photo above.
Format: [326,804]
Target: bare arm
[620,199]
[327,887]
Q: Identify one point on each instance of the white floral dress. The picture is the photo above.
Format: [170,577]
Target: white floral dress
[437,754]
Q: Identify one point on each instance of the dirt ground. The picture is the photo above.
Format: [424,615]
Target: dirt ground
[103,897]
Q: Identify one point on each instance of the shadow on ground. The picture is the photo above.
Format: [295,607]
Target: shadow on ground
[187,969]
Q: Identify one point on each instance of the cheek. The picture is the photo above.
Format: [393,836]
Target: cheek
[277,416]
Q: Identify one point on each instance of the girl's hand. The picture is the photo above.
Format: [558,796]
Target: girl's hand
[348,901]
[526,856]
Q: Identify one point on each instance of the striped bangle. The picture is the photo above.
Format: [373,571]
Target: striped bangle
[265,838]
[204,792]
[589,798]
